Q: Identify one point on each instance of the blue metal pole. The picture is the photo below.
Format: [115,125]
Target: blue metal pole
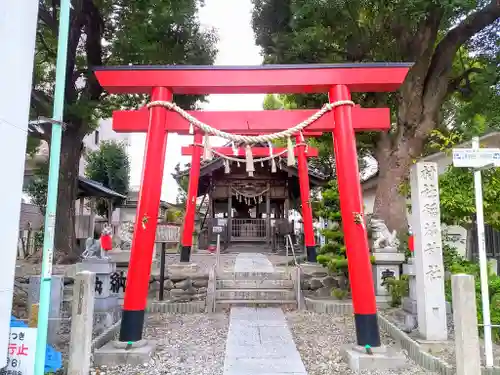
[50,214]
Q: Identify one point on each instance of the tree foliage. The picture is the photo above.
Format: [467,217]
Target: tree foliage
[455,50]
[37,187]
[457,198]
[107,32]
[328,208]
[110,166]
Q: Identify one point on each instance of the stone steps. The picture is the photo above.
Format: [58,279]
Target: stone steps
[255,294]
[254,289]
[276,275]
[226,304]
[254,284]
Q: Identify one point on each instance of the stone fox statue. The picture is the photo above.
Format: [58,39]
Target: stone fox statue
[93,247]
[381,236]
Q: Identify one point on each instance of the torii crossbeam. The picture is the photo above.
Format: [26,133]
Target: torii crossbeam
[339,80]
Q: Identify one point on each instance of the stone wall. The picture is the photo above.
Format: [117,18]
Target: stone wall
[317,282]
[182,287]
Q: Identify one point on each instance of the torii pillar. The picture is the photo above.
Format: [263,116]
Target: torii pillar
[337,79]
[192,194]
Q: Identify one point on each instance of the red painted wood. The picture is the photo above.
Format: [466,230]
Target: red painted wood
[253,122]
[259,152]
[355,235]
[194,177]
[143,241]
[230,80]
[305,195]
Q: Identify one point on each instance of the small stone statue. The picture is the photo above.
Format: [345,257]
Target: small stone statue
[93,248]
[381,236]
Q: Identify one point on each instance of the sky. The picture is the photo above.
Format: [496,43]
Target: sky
[236,47]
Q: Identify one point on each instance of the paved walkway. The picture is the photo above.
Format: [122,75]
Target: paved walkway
[248,262]
[259,341]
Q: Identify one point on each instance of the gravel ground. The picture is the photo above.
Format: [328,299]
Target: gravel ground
[187,345]
[319,338]
[447,351]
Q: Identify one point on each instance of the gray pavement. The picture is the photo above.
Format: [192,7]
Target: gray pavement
[248,262]
[259,341]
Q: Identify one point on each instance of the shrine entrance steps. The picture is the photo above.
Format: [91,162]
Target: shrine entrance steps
[255,283]
[248,247]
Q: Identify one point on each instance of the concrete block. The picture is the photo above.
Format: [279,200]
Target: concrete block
[389,258]
[116,354]
[255,294]
[410,305]
[254,284]
[56,300]
[98,266]
[468,358]
[82,324]
[383,358]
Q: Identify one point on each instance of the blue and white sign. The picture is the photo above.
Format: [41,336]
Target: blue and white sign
[476,158]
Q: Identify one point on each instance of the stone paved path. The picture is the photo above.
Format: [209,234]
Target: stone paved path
[247,262]
[259,341]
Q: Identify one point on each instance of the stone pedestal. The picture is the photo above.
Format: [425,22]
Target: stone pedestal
[106,306]
[120,257]
[116,353]
[381,358]
[56,298]
[387,264]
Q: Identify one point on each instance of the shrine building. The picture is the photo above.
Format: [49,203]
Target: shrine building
[250,209]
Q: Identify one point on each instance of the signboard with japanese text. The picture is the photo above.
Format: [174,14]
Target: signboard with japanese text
[167,233]
[475,158]
[21,352]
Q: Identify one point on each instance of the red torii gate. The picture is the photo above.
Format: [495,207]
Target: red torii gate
[339,80]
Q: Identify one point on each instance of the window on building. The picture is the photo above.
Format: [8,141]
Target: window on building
[96,137]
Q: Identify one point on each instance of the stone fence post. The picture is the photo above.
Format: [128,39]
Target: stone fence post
[82,319]
[467,353]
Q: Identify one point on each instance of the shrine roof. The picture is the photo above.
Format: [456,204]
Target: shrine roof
[207,167]
[91,188]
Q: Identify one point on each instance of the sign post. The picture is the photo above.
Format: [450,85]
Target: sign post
[53,183]
[480,159]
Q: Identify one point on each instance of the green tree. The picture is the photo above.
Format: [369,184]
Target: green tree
[107,32]
[457,198]
[110,166]
[328,208]
[454,47]
[37,187]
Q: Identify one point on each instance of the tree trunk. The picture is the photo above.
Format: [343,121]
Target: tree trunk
[390,204]
[65,239]
[395,156]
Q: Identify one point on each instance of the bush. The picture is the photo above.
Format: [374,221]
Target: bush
[397,288]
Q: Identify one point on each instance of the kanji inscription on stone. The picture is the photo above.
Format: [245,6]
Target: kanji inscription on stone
[428,254]
[431,229]
[434,272]
[428,172]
